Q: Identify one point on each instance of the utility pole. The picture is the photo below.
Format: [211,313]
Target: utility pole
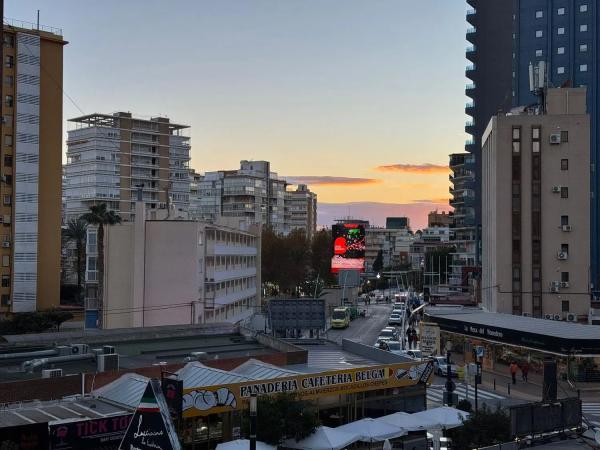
[253,408]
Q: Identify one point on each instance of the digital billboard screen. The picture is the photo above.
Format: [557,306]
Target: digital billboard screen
[348,247]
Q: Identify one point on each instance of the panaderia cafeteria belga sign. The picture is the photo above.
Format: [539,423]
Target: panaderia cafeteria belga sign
[202,401]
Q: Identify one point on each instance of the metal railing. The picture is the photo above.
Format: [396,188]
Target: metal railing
[32,26]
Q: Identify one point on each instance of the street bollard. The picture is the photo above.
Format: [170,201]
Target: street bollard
[494,384]
[508,388]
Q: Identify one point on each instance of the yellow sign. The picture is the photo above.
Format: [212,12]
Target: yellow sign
[202,401]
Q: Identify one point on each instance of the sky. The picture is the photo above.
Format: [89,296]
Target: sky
[361,99]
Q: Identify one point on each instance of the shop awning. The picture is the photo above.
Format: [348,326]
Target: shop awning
[243,444]
[552,336]
[324,438]
[372,430]
[437,418]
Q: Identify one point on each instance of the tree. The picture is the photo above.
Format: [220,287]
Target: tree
[100,216]
[284,416]
[378,263]
[483,428]
[295,261]
[272,254]
[34,322]
[76,232]
[320,257]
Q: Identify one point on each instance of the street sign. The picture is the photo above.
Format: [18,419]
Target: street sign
[429,339]
[480,351]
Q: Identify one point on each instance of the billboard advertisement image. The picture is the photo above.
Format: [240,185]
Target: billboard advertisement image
[348,247]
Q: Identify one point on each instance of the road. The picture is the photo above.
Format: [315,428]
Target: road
[364,329]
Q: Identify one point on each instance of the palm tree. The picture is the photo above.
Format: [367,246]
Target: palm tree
[100,216]
[76,232]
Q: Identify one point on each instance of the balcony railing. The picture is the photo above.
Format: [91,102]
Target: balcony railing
[471,30]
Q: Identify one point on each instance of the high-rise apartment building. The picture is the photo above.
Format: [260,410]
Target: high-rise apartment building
[31,147]
[565,35]
[301,210]
[252,195]
[112,157]
[536,241]
[397,222]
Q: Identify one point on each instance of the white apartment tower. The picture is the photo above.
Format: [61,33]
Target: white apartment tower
[111,157]
[301,210]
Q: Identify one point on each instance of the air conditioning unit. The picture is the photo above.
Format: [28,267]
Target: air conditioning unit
[526,314]
[554,289]
[79,349]
[555,284]
[571,317]
[566,227]
[107,363]
[555,138]
[557,317]
[548,317]
[108,349]
[6,244]
[6,218]
[564,284]
[556,189]
[51,373]
[562,255]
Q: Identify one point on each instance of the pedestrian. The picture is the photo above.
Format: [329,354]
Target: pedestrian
[524,371]
[513,371]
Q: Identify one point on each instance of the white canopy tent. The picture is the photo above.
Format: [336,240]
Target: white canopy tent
[442,418]
[243,444]
[325,438]
[372,430]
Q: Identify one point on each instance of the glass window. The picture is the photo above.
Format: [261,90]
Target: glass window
[583,27]
[8,140]
[539,53]
[564,136]
[560,70]
[560,11]
[9,40]
[538,34]
[564,277]
[564,220]
[5,280]
[7,200]
[583,68]
[8,101]
[535,133]
[565,305]
[564,248]
[5,261]
[583,8]
[564,192]
[583,47]
[560,50]
[560,31]
[564,164]
[539,14]
[9,80]
[9,61]
[516,133]
[535,147]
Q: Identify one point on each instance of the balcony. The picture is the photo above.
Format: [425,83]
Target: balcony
[470,52]
[471,34]
[469,107]
[470,68]
[469,88]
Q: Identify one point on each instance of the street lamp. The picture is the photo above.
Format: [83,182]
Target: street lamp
[449,383]
[253,408]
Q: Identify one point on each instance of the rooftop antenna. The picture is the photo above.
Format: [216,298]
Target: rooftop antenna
[538,83]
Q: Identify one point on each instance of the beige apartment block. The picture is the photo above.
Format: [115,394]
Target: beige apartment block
[301,210]
[174,272]
[31,147]
[536,211]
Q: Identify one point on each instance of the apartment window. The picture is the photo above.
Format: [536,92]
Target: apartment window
[560,31]
[5,280]
[516,133]
[8,140]
[583,28]
[535,147]
[564,192]
[560,50]
[7,200]
[9,80]
[9,40]
[9,61]
[7,120]
[564,220]
[539,14]
[560,70]
[583,68]
[91,263]
[8,101]
[5,299]
[8,179]
[560,11]
[565,306]
[5,261]
[564,277]
[564,248]
[564,164]
[538,34]
[539,52]
[583,8]
[583,47]
[564,136]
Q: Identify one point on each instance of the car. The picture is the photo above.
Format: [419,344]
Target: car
[395,319]
[440,366]
[414,354]
[388,334]
[399,305]
[340,317]
[399,311]
[390,346]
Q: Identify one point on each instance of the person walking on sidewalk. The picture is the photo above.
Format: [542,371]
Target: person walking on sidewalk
[513,371]
[524,371]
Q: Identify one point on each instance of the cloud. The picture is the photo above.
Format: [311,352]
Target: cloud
[330,181]
[376,213]
[414,168]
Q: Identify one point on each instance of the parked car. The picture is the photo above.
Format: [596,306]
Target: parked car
[440,366]
[399,311]
[395,319]
[414,354]
[388,334]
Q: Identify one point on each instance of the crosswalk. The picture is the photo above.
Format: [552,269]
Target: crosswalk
[435,394]
[591,411]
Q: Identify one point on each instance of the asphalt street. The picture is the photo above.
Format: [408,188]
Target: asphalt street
[364,329]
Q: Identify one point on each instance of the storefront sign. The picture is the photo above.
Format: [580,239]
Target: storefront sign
[202,401]
[429,339]
[89,434]
[25,437]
